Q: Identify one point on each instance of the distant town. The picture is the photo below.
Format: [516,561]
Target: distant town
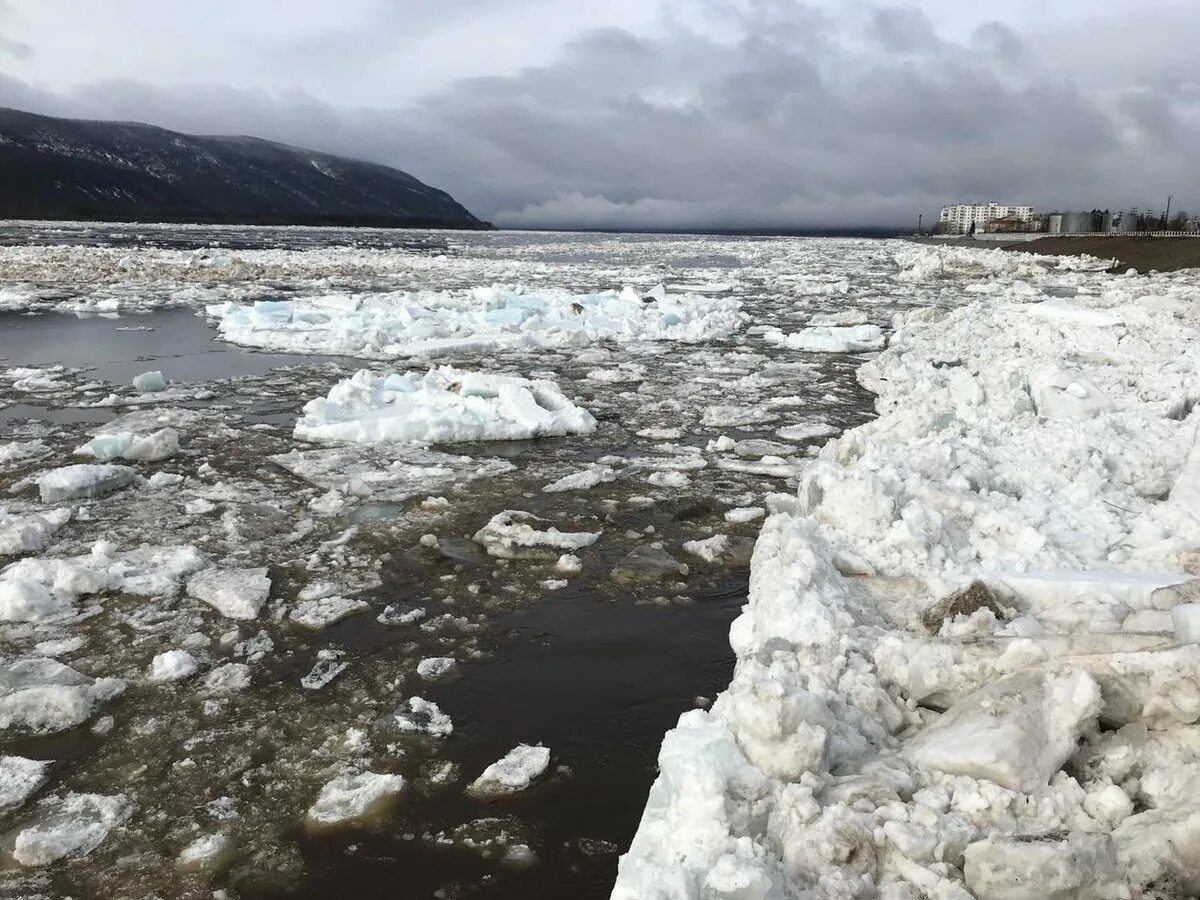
[998,218]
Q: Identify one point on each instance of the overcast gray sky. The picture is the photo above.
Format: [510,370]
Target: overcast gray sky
[689,113]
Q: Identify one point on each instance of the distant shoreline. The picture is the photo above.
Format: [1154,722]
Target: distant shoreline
[158,217]
[1145,254]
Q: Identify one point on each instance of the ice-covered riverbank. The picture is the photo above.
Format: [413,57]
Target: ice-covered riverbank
[968,666]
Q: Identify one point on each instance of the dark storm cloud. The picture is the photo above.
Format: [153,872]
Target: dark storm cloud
[760,113]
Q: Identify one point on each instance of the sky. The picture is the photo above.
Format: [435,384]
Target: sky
[671,114]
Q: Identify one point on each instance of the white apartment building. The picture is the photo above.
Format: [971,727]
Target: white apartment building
[959,218]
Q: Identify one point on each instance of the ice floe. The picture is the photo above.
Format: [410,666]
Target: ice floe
[832,339]
[445,405]
[234,593]
[516,771]
[426,323]
[69,826]
[154,447]
[83,481]
[511,535]
[352,798]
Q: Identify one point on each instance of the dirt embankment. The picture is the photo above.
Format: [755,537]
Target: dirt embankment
[1164,254]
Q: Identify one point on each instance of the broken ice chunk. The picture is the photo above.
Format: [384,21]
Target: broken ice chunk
[25,534]
[22,600]
[325,611]
[442,405]
[353,798]
[509,535]
[419,716]
[326,669]
[73,825]
[513,773]
[19,777]
[1002,868]
[149,382]
[227,679]
[434,667]
[173,665]
[83,481]
[205,852]
[153,447]
[234,593]
[1016,732]
[43,696]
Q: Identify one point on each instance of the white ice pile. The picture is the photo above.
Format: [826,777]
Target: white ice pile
[956,676]
[426,323]
[919,263]
[440,406]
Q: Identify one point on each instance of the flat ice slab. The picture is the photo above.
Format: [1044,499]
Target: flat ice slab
[234,593]
[69,826]
[445,405]
[83,481]
[832,339]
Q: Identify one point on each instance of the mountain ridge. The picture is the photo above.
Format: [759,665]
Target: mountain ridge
[92,169]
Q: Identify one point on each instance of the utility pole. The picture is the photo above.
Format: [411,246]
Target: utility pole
[920,216]
[1167,214]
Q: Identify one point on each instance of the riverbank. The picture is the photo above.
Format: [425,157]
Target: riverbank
[966,667]
[1145,254]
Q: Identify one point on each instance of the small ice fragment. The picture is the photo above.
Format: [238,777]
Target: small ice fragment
[172,665]
[581,480]
[568,564]
[205,852]
[23,600]
[513,773]
[153,447]
[434,667]
[325,611]
[417,715]
[322,673]
[670,479]
[710,549]
[149,382]
[509,535]
[227,679]
[1186,619]
[400,614]
[743,514]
